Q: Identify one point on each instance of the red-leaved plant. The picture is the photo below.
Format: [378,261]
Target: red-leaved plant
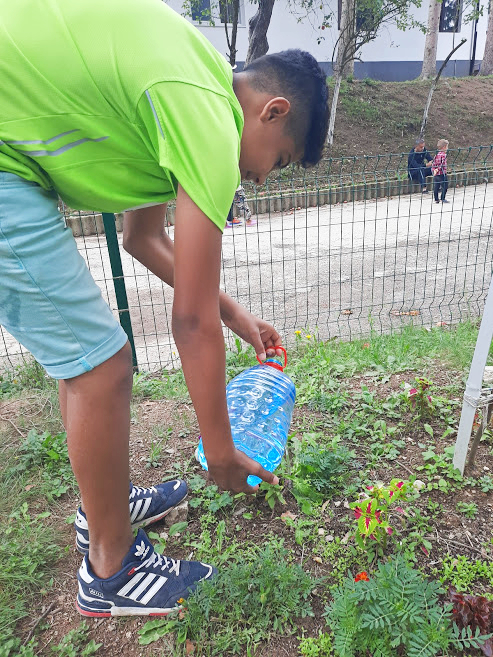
[474,611]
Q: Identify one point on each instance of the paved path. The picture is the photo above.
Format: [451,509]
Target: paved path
[337,270]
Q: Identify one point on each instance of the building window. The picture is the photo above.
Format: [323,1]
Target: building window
[221,11]
[450,16]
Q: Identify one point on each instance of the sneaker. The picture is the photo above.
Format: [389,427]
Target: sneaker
[234,222]
[251,222]
[147,505]
[148,584]
[444,200]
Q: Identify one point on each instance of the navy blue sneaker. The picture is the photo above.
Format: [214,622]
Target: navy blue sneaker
[147,505]
[148,584]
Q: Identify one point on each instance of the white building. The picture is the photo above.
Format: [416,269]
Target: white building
[394,55]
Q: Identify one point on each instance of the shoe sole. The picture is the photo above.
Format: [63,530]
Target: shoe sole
[138,525]
[125,611]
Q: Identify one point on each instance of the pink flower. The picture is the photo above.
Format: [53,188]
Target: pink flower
[412,392]
[390,531]
[369,487]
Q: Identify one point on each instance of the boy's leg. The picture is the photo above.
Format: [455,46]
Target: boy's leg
[98,427]
[444,186]
[436,187]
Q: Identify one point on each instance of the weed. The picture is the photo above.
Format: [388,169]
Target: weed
[207,497]
[320,646]
[157,444]
[463,573]
[259,594]
[167,385]
[49,453]
[272,494]
[439,470]
[29,375]
[468,509]
[486,483]
[74,643]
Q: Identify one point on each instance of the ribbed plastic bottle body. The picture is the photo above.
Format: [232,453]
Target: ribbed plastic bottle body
[260,406]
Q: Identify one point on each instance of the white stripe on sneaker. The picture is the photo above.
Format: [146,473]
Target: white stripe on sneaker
[136,593]
[82,539]
[84,574]
[136,508]
[130,585]
[154,589]
[141,515]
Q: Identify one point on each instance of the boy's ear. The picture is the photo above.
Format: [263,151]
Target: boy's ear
[275,109]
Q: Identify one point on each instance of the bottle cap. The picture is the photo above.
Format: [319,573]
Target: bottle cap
[273,361]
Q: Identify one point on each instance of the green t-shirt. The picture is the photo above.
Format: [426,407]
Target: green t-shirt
[114,102]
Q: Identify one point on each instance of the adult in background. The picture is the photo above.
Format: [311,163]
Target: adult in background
[419,164]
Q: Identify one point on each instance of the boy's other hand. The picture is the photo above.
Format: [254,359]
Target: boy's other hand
[260,334]
[231,473]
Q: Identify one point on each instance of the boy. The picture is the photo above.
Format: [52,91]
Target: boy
[418,164]
[115,106]
[439,168]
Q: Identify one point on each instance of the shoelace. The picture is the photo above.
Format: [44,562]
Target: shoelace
[138,490]
[160,561]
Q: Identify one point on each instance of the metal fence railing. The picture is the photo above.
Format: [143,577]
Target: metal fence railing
[345,248]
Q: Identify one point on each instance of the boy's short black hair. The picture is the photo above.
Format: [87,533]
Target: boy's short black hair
[297,76]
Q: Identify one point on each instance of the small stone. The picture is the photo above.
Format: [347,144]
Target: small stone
[128,635]
[337,504]
[321,531]
[111,628]
[485,468]
[329,538]
[178,514]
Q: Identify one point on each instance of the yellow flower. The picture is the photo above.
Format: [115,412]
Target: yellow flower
[180,601]
[308,337]
[297,332]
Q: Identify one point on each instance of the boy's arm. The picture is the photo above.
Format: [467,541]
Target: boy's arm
[146,240]
[193,267]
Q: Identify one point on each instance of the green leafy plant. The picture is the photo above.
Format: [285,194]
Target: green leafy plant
[394,611]
[272,494]
[419,399]
[319,473]
[439,470]
[207,497]
[261,593]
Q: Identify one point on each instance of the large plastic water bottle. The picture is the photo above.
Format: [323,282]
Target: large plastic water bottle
[260,406]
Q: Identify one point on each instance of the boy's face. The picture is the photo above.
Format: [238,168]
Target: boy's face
[265,144]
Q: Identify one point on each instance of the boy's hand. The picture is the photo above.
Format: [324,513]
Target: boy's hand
[260,334]
[231,473]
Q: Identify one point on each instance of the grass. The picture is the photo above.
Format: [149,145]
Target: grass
[282,555]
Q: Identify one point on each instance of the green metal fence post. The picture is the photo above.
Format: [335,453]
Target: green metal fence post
[118,280]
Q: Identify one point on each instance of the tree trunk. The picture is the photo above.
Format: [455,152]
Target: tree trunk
[430,53]
[487,63]
[333,109]
[344,64]
[433,87]
[257,31]
[231,9]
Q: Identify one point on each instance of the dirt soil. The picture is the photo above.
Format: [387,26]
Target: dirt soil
[454,534]
[385,117]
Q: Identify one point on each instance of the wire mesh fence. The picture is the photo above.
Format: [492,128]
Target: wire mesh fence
[349,247]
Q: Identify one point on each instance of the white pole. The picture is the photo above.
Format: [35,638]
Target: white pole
[474,382]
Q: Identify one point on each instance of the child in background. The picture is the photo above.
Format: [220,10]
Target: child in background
[241,205]
[439,170]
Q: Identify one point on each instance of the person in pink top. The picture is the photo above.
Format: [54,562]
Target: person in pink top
[439,170]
